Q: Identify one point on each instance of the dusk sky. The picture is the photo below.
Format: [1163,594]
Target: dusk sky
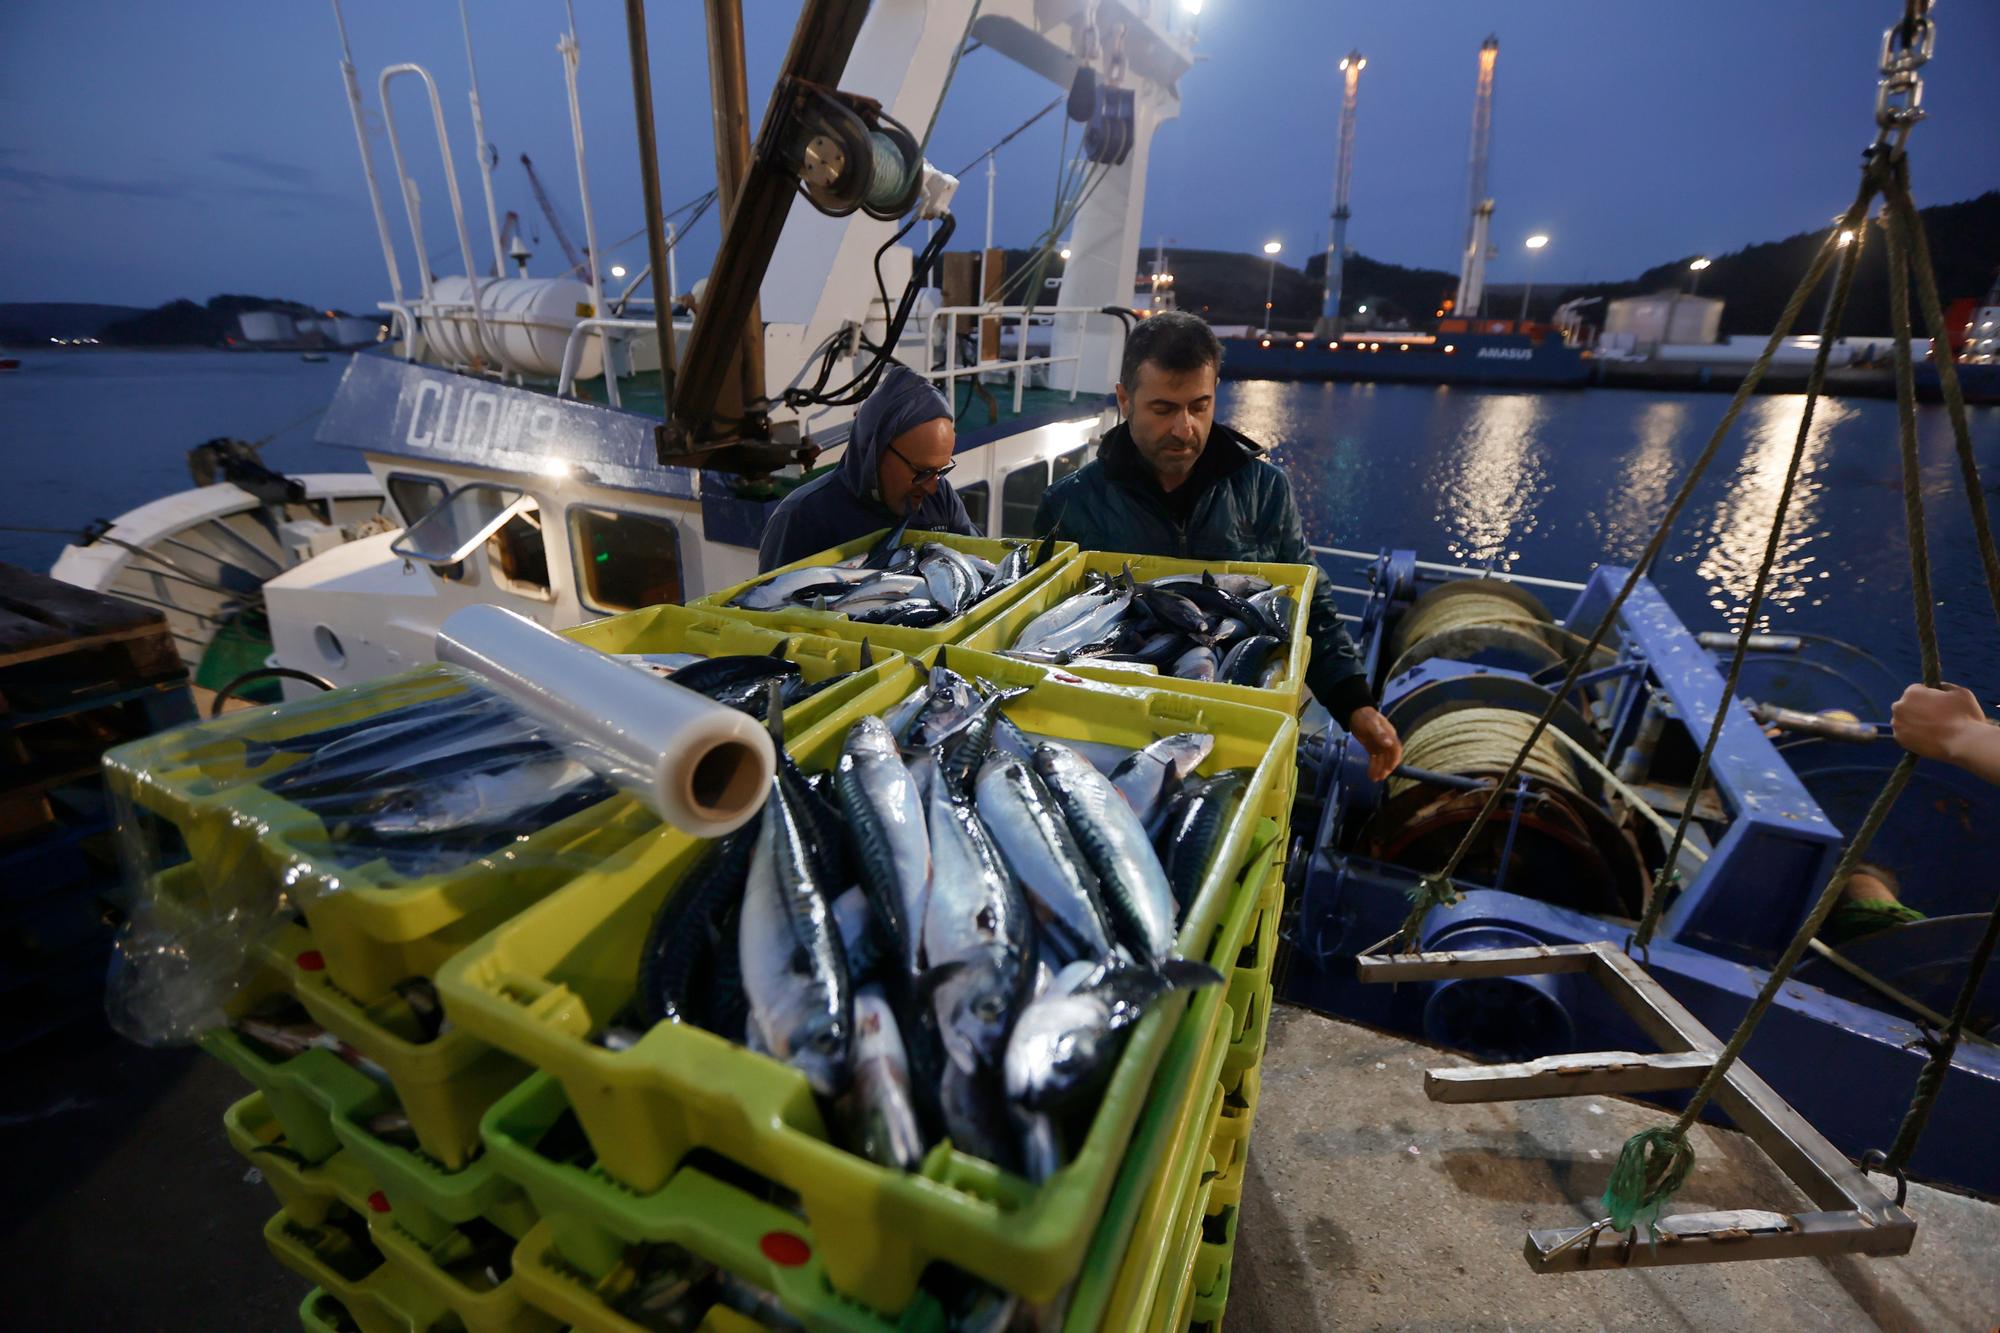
[164,150]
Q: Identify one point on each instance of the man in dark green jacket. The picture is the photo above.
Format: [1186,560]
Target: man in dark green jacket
[1169,481]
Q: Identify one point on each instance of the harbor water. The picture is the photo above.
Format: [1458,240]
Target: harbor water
[1533,482]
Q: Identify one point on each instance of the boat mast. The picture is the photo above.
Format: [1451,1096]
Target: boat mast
[353,83]
[1472,271]
[1351,65]
[487,154]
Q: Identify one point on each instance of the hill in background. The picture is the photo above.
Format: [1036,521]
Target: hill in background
[1754,282]
[38,321]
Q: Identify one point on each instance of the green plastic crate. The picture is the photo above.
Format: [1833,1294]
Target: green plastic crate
[906,638]
[1286,694]
[541,984]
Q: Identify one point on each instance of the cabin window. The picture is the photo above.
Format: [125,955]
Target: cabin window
[1020,497]
[976,498]
[518,558]
[1064,464]
[414,496]
[625,561]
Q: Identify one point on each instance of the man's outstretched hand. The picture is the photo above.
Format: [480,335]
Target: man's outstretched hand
[1377,736]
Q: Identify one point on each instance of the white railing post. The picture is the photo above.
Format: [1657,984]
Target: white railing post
[572,54]
[451,187]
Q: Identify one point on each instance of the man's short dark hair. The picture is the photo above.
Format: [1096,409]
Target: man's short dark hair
[1173,340]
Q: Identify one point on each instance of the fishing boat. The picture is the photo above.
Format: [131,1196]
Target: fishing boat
[565,451]
[510,429]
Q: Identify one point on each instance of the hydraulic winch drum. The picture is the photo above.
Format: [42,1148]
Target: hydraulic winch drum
[1479,621]
[1551,839]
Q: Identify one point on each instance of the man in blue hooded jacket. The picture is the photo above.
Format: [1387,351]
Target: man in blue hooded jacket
[897,456]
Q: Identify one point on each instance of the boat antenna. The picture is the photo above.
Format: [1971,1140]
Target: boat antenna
[649,179]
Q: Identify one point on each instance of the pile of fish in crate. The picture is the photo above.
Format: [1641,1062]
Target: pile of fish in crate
[960,1031]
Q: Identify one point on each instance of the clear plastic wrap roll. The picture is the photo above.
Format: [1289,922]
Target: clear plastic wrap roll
[701,766]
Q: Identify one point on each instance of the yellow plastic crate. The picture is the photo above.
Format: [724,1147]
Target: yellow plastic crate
[306,1191]
[372,927]
[1246,1052]
[1287,694]
[685,629]
[1133,1231]
[497,1309]
[1230,1145]
[320,1312]
[543,983]
[1253,969]
[377,1298]
[907,638]
[444,1084]
[1174,1298]
[1209,1290]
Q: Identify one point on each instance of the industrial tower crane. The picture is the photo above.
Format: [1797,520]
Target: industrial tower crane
[576,260]
[1336,251]
[1472,272]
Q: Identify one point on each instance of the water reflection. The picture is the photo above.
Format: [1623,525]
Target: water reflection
[1636,504]
[1316,433]
[1741,523]
[1489,486]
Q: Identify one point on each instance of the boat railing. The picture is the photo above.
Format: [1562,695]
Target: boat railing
[1017,365]
[1434,568]
[409,191]
[604,326]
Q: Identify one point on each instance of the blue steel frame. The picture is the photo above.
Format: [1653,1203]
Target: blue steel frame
[1848,1067]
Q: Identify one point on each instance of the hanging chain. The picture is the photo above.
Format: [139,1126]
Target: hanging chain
[1899,97]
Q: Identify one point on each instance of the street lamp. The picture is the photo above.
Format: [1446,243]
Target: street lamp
[1271,248]
[1064,252]
[1535,244]
[617,270]
[1695,266]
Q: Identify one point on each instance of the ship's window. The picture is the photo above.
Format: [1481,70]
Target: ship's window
[414,496]
[1064,464]
[976,498]
[517,557]
[625,561]
[1020,496]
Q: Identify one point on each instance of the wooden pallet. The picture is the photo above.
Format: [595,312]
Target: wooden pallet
[80,671]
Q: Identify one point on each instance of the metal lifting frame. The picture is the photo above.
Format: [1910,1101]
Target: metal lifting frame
[1855,1216]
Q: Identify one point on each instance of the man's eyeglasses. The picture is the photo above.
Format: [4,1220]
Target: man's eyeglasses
[920,475]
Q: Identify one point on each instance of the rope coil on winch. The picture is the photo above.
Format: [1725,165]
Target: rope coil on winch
[1481,740]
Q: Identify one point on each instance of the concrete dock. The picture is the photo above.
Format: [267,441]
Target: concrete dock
[1365,1206]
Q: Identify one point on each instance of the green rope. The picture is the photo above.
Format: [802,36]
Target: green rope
[1651,1168]
[1656,896]
[1437,889]
[1906,237]
[1921,595]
